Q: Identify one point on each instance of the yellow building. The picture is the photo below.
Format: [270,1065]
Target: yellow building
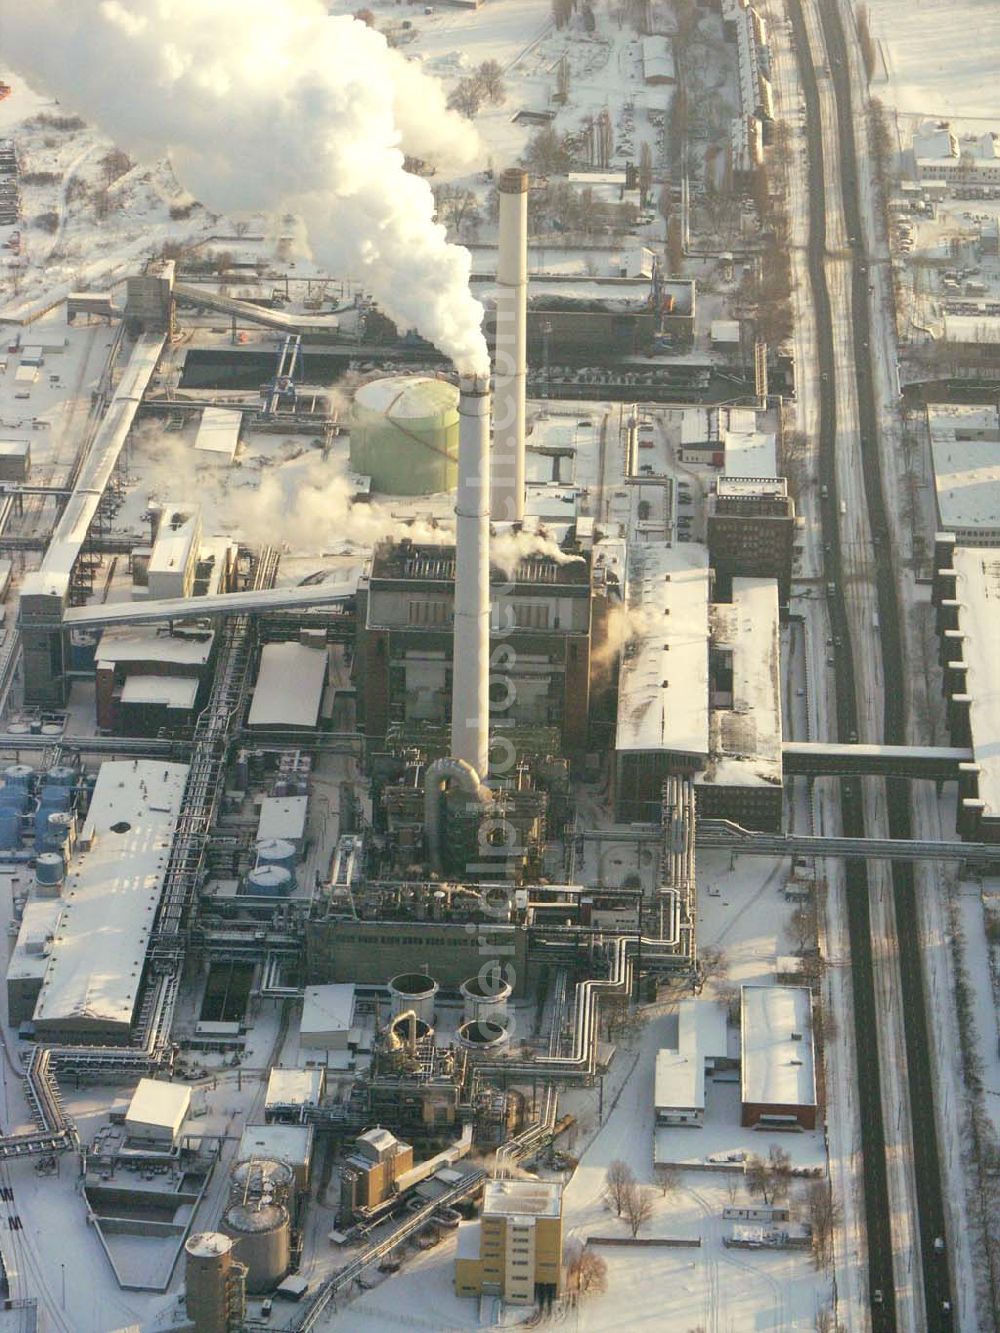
[370,1172]
[515,1250]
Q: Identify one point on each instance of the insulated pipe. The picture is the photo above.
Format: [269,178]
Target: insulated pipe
[510,349]
[437,775]
[470,668]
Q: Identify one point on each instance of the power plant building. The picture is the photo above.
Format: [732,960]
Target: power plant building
[288,695]
[111,896]
[157,1112]
[406,631]
[369,1173]
[327,1017]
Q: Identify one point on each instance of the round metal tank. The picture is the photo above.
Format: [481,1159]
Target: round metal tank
[209,1259]
[485,996]
[14,797]
[265,1175]
[10,829]
[18,775]
[269,882]
[413,990]
[404,434]
[49,870]
[496,904]
[401,1029]
[276,852]
[60,831]
[59,775]
[263,1242]
[486,1038]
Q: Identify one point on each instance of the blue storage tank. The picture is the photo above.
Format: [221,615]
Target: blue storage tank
[14,798]
[19,775]
[59,775]
[10,829]
[269,882]
[56,798]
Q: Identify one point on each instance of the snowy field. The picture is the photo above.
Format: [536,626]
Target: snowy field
[940,56]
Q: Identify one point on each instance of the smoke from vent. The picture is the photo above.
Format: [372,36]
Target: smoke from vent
[272,106]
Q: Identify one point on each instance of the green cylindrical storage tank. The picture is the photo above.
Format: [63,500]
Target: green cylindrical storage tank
[404,435]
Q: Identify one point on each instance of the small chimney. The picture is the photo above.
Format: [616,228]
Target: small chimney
[510,348]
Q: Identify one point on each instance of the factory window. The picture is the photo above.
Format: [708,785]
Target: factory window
[531,615]
[427,612]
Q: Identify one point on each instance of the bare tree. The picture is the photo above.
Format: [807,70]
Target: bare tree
[586,1271]
[675,246]
[713,963]
[669,1178]
[562,80]
[779,1162]
[466,98]
[115,163]
[618,1180]
[732,1186]
[638,1207]
[801,927]
[645,170]
[489,76]
[824,1218]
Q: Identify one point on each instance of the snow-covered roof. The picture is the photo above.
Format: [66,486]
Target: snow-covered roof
[294,1087]
[522,1198]
[282,817]
[327,1009]
[978,329]
[750,454]
[157,1105]
[52,579]
[658,60]
[934,143]
[725,330]
[111,896]
[136,645]
[219,432]
[284,1143]
[745,735]
[977,590]
[289,689]
[13,448]
[663,684]
[965,448]
[680,1070]
[39,922]
[176,538]
[777,1067]
[165,691]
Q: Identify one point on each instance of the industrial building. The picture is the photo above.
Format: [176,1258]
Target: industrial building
[699,692]
[292,1092]
[277,707]
[156,1114]
[327,1017]
[369,1173]
[114,882]
[751,528]
[148,679]
[777,1057]
[965,452]
[679,1080]
[291,1144]
[515,1250]
[966,597]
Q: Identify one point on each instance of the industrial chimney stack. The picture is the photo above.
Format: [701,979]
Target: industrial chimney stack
[510,349]
[470,698]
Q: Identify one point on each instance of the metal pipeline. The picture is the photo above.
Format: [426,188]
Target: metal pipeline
[436,778]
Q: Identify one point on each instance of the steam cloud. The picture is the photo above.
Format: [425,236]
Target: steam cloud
[272,106]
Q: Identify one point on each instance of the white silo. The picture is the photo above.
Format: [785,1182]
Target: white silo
[416,991]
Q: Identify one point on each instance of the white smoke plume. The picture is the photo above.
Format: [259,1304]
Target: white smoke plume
[273,106]
[508,549]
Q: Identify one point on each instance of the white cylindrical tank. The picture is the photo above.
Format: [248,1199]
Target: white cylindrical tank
[276,852]
[416,991]
[209,1282]
[60,832]
[265,1175]
[470,690]
[484,1038]
[262,1232]
[18,775]
[510,346]
[404,434]
[269,882]
[485,996]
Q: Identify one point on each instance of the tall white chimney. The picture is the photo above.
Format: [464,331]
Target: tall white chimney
[510,348]
[470,674]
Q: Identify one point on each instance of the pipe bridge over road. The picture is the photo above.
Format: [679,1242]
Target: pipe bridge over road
[831,759]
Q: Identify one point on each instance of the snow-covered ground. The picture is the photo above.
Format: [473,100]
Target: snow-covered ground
[938,57]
